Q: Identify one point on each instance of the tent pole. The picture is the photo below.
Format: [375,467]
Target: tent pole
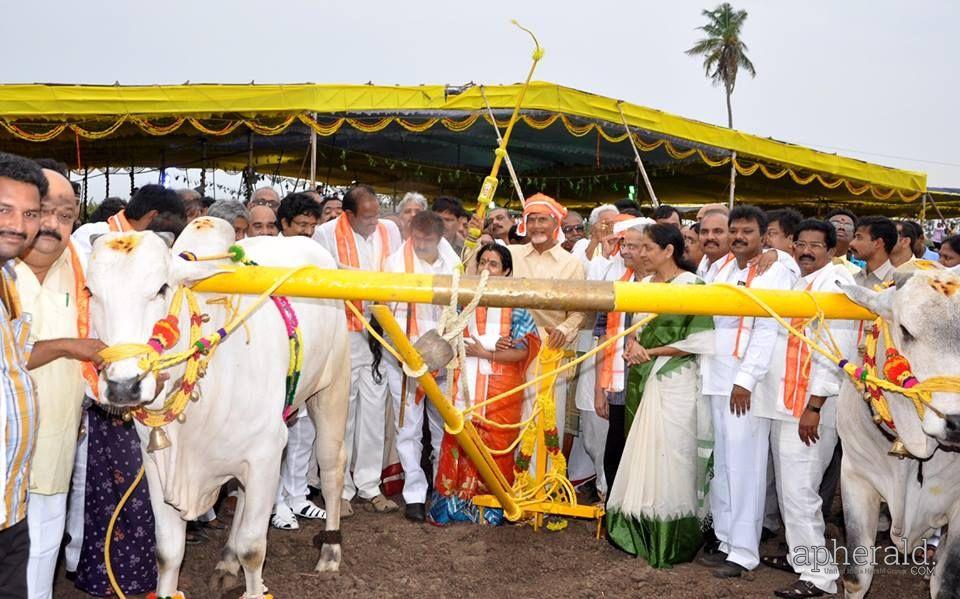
[313,155]
[733,176]
[636,157]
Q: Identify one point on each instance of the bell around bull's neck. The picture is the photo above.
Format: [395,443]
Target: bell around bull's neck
[899,450]
[158,440]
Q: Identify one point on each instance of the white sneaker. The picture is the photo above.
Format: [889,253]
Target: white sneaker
[284,518]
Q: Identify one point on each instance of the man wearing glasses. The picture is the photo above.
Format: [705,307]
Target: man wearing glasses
[265,196]
[573,230]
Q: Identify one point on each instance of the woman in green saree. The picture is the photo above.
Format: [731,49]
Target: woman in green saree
[655,506]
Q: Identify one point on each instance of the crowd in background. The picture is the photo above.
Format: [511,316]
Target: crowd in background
[699,433]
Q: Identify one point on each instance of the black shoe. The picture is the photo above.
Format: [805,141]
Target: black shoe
[801,588]
[713,560]
[416,512]
[729,569]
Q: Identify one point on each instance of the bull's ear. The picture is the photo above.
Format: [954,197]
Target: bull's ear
[95,237]
[187,272]
[878,302]
[167,237]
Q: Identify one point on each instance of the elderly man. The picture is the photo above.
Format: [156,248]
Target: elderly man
[153,207]
[234,213]
[425,252]
[800,400]
[412,204]
[543,258]
[573,229]
[51,284]
[264,196]
[732,378]
[500,224]
[358,239]
[601,226]
[192,203]
[263,221]
[298,215]
[330,208]
[22,185]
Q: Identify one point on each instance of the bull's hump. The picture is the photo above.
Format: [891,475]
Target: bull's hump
[124,244]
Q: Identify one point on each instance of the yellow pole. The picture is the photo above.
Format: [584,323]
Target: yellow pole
[467,435]
[581,296]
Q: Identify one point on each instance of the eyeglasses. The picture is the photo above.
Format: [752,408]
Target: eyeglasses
[572,228]
[813,245]
[262,202]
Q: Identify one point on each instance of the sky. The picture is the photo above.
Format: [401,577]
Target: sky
[873,79]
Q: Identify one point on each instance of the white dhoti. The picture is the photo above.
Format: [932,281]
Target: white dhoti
[409,440]
[78,486]
[799,471]
[365,423]
[738,489]
[46,517]
[298,459]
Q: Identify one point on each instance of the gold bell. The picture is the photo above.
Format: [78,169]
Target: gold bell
[195,395]
[877,419]
[127,416]
[182,417]
[158,440]
[898,449]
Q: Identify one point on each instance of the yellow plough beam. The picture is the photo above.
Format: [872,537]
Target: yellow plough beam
[585,296]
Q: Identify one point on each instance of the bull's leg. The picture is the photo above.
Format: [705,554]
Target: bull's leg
[328,409]
[249,531]
[171,532]
[861,511]
[945,582]
[225,575]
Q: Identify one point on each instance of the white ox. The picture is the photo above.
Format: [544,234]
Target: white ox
[923,494]
[235,430]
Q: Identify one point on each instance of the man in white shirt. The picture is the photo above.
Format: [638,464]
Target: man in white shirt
[424,252]
[730,379]
[601,226]
[873,240]
[358,239]
[799,398]
[298,215]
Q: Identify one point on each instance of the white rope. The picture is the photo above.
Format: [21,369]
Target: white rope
[506,156]
[636,155]
[452,325]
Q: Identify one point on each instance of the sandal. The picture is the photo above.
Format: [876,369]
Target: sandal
[309,510]
[801,588]
[778,562]
[283,518]
[383,505]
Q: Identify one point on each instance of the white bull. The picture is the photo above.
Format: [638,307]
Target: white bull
[923,493]
[235,430]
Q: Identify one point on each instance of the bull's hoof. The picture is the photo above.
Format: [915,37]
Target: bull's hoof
[222,581]
[329,559]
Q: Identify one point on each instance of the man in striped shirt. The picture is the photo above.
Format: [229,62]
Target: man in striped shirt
[22,184]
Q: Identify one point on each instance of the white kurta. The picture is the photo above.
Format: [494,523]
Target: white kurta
[409,440]
[741,443]
[799,468]
[364,438]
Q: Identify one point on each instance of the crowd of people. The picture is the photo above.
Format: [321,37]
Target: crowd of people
[702,432]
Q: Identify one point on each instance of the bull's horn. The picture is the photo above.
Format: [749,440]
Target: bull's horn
[158,440]
[899,450]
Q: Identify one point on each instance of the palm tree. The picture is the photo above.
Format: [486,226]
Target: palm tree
[724,54]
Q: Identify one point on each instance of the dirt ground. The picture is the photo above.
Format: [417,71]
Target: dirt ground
[385,555]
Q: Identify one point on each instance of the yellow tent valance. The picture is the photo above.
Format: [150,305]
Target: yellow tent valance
[43,112]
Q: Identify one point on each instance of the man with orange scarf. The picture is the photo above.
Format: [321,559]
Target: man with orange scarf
[153,207]
[424,252]
[543,258]
[360,240]
[801,403]
[50,282]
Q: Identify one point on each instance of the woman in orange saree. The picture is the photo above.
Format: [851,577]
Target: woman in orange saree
[501,343]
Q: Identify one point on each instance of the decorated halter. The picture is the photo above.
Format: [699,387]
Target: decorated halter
[166,334]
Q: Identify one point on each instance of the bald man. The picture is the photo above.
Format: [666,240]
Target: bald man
[50,280]
[711,208]
[263,221]
[265,196]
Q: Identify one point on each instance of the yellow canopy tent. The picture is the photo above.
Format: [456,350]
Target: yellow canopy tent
[569,143]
